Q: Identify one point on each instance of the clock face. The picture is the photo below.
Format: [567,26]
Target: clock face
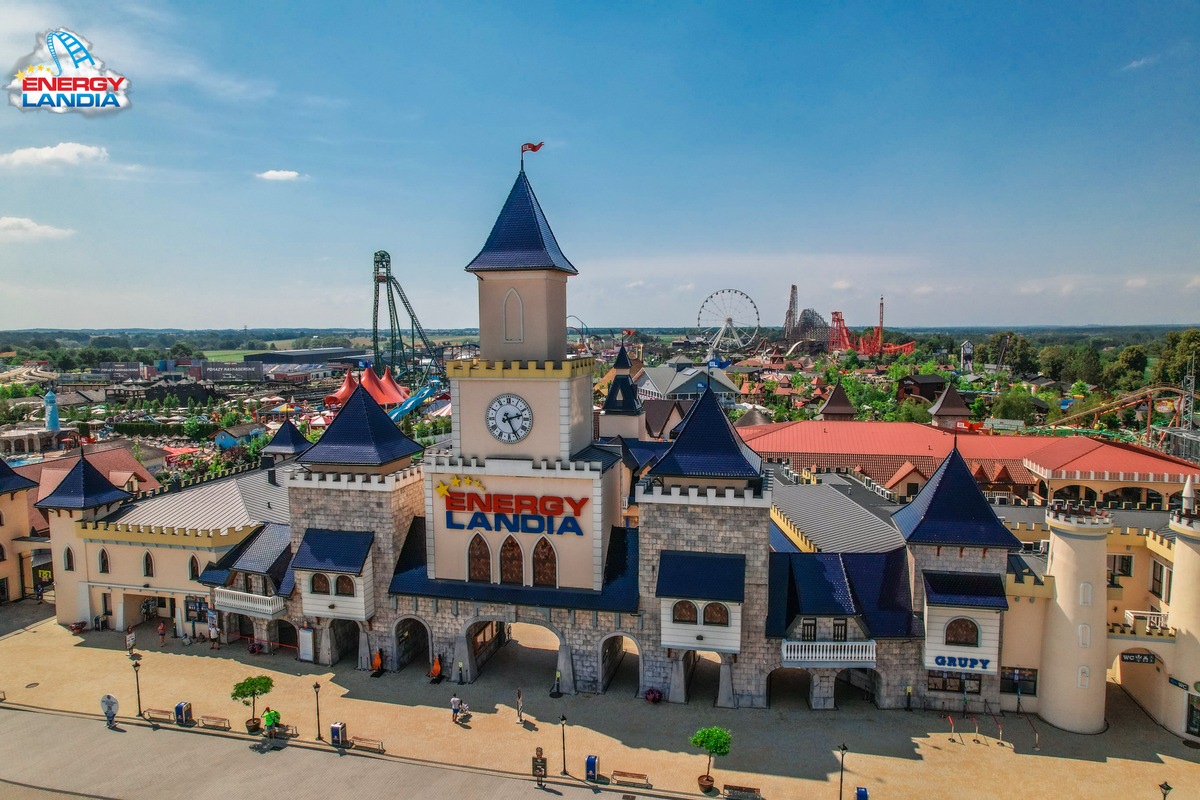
[509,418]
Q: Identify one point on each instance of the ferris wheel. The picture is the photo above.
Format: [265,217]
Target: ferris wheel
[728,320]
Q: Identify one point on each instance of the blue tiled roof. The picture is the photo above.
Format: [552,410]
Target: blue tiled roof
[708,446]
[872,586]
[879,582]
[622,361]
[965,590]
[288,441]
[701,576]
[780,543]
[618,593]
[521,237]
[951,510]
[607,455]
[213,575]
[333,551]
[622,397]
[288,584]
[643,453]
[10,481]
[84,486]
[821,585]
[269,554]
[361,434]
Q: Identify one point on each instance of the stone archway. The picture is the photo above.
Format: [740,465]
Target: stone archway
[413,642]
[789,688]
[853,687]
[693,674]
[480,637]
[613,657]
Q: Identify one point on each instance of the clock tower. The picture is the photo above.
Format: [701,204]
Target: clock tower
[524,497]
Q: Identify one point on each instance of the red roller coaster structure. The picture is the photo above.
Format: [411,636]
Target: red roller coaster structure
[870,344]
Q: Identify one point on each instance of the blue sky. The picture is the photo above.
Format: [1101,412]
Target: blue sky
[977,163]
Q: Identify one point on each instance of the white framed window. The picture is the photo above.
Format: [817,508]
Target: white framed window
[1085,635]
[1084,679]
[1085,594]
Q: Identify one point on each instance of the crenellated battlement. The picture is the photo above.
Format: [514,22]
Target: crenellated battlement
[356,481]
[707,496]
[558,468]
[210,538]
[519,370]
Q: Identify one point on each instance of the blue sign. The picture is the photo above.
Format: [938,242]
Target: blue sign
[1176,682]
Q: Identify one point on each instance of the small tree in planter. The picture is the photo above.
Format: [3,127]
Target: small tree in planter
[715,741]
[248,691]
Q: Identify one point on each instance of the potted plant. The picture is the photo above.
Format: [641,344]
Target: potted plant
[248,691]
[654,695]
[715,741]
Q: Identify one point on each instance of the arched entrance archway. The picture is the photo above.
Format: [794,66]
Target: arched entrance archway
[286,635]
[524,654]
[856,688]
[620,665]
[413,643]
[789,688]
[343,640]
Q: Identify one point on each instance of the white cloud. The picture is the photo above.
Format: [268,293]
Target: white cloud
[841,286]
[635,284]
[23,229]
[61,153]
[1140,63]
[1029,289]
[1194,283]
[278,175]
[1136,283]
[924,289]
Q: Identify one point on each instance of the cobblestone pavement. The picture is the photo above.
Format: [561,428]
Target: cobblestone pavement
[788,751]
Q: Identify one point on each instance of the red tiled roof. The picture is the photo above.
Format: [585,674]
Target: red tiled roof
[881,448]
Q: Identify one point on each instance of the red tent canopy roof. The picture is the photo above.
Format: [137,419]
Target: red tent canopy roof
[343,393]
[389,382]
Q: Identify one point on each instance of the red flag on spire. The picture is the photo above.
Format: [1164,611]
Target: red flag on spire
[530,147]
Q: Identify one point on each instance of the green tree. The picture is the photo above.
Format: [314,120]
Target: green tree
[249,690]
[912,411]
[715,741]
[1016,403]
[979,408]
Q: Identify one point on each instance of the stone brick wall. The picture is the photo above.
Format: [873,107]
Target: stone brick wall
[709,528]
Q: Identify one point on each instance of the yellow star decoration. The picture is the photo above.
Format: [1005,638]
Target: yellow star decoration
[455,481]
[441,489]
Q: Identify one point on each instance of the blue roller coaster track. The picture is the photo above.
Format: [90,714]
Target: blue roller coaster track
[75,49]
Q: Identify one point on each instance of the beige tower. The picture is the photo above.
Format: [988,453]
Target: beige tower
[1185,615]
[1074,644]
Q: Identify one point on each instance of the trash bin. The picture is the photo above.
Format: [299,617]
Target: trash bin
[337,734]
[861,793]
[183,713]
[593,767]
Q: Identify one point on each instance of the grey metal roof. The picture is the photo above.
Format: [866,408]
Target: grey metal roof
[667,380]
[833,521]
[245,499]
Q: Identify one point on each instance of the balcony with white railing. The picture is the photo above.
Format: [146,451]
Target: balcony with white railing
[254,605]
[1154,619]
[843,655]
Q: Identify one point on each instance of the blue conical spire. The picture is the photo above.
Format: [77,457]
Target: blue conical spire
[521,237]
[288,441]
[10,481]
[360,435]
[83,487]
[951,510]
[708,446]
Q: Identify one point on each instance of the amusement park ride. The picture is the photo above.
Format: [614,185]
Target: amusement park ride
[871,344]
[402,356]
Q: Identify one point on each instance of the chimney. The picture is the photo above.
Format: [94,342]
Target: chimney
[269,463]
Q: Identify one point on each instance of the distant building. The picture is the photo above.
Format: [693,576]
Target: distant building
[236,435]
[927,387]
[319,355]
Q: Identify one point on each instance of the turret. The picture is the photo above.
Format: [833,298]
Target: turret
[1074,644]
[1185,599]
[622,413]
[51,402]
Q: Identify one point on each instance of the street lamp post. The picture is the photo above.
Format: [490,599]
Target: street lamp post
[842,769]
[562,721]
[137,665]
[1165,788]
[317,696]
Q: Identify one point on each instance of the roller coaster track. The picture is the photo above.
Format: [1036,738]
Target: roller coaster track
[1124,401]
[75,49]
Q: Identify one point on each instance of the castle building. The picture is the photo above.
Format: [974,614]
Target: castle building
[363,548]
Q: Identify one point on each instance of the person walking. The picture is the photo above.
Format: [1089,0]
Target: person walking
[455,707]
[520,708]
[214,637]
[268,719]
[162,633]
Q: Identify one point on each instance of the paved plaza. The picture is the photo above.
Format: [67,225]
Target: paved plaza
[786,751]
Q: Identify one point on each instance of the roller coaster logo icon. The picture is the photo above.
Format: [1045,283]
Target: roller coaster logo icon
[62,75]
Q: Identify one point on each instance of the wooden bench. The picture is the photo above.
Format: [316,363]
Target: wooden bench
[363,743]
[158,715]
[741,792]
[630,779]
[214,722]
